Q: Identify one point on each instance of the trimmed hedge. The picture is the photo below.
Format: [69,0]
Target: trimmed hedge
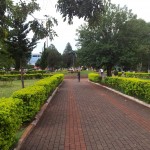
[2,72]
[131,86]
[134,75]
[10,121]
[36,71]
[22,107]
[25,76]
[33,97]
[50,83]
[94,77]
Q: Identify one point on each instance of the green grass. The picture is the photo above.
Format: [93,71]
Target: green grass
[7,88]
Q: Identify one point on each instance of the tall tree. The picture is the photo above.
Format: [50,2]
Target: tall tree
[67,56]
[50,58]
[134,40]
[54,57]
[99,44]
[19,46]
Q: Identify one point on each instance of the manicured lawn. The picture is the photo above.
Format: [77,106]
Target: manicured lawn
[6,88]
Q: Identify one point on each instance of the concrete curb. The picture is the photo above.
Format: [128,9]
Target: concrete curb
[124,95]
[37,118]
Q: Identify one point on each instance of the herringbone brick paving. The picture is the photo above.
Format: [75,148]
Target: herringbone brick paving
[83,116]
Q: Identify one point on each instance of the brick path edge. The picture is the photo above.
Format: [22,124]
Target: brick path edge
[127,96]
[37,118]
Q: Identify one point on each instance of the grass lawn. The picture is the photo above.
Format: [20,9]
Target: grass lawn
[6,89]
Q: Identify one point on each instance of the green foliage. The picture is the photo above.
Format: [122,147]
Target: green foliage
[14,72]
[33,97]
[2,72]
[131,86]
[67,56]
[50,58]
[50,83]
[53,58]
[94,77]
[137,75]
[99,45]
[10,120]
[22,106]
[35,71]
[25,76]
[18,28]
[87,9]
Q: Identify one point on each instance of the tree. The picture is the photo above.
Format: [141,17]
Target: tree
[134,36]
[53,58]
[43,60]
[67,56]
[87,9]
[50,58]
[99,45]
[19,46]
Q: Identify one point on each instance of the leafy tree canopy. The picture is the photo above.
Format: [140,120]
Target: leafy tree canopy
[87,9]
[99,45]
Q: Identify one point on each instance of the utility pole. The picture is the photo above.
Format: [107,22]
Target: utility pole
[46,27]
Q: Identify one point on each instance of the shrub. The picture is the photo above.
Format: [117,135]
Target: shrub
[33,97]
[50,83]
[10,121]
[36,71]
[94,77]
[131,86]
[2,72]
[14,72]
[137,75]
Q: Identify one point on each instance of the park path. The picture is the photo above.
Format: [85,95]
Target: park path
[85,116]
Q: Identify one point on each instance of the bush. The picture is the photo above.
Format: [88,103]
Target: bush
[131,86]
[50,83]
[137,75]
[36,71]
[33,97]
[14,72]
[26,76]
[10,121]
[2,72]
[94,77]
[22,107]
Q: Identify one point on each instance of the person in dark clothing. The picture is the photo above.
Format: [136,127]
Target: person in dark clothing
[78,75]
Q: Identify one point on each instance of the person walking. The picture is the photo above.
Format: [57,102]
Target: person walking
[78,75]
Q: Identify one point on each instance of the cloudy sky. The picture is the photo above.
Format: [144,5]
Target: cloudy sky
[67,33]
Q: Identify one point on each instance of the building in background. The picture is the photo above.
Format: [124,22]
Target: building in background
[34,58]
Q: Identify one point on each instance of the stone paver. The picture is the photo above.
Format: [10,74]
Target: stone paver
[84,116]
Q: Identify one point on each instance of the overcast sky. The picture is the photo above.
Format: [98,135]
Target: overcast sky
[67,33]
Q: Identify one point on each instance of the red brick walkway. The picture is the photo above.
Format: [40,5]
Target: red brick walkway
[84,116]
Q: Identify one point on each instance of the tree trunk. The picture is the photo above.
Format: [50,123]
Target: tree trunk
[109,69]
[22,70]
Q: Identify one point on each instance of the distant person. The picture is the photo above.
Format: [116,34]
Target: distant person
[78,75]
[101,72]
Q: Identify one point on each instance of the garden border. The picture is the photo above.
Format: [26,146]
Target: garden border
[127,96]
[35,121]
